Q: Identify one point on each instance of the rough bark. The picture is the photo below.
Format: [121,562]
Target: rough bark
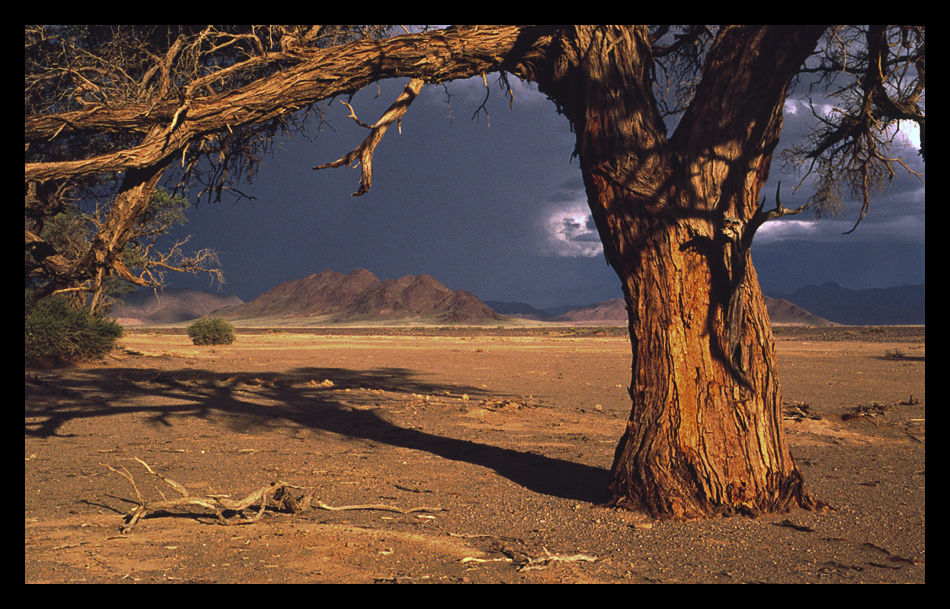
[705,433]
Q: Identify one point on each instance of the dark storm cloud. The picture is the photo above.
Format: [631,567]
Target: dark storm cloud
[491,204]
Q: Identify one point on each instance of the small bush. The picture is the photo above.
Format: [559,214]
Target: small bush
[55,330]
[211,331]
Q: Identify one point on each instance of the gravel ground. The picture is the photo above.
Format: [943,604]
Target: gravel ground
[483,456]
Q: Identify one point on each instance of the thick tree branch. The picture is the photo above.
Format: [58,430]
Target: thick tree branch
[454,53]
[734,121]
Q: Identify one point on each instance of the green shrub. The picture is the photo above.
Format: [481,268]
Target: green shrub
[211,331]
[55,330]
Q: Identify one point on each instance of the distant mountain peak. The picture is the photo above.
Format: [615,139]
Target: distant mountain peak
[361,296]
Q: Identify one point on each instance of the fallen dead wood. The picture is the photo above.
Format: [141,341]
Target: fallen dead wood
[527,563]
[278,496]
[544,561]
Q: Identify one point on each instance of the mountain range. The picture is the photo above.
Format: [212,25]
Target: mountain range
[900,305]
[331,297]
[614,311]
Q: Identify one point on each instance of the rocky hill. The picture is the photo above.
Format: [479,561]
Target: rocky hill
[610,311]
[783,312]
[333,297]
[899,305]
[168,306]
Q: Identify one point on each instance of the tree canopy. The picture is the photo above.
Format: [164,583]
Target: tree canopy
[200,104]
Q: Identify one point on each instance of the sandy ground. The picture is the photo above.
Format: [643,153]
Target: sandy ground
[504,437]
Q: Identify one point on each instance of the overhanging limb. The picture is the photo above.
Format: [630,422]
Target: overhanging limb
[364,152]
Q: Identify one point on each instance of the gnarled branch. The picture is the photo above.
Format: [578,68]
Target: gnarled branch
[364,152]
[761,216]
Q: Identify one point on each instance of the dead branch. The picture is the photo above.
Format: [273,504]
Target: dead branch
[544,561]
[277,495]
[528,563]
[364,152]
[761,216]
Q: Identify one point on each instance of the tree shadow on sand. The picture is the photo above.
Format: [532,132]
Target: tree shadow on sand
[311,398]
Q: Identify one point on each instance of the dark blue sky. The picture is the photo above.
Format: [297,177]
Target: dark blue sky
[495,206]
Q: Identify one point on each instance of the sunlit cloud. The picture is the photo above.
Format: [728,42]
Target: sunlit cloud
[796,106]
[569,231]
[910,133]
[787,230]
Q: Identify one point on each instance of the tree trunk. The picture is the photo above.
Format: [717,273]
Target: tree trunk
[705,433]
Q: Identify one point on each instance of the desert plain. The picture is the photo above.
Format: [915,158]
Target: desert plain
[448,455]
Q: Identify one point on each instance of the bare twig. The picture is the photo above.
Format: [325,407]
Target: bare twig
[125,474]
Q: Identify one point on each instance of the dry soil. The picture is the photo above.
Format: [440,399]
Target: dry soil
[504,436]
